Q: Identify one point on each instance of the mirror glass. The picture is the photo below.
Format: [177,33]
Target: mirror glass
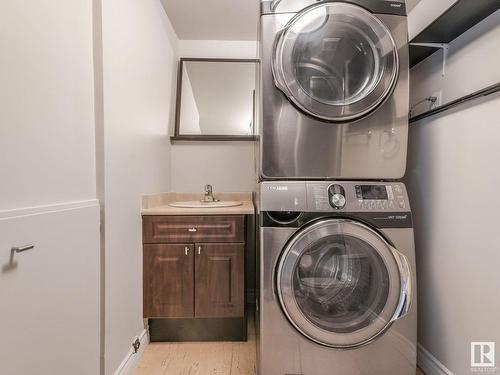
[216,98]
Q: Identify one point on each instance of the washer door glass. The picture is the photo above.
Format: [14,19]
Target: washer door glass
[336,61]
[339,283]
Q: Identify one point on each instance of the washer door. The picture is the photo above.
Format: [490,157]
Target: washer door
[335,61]
[341,284]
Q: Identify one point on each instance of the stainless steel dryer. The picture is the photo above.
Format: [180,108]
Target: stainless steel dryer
[337,279]
[334,89]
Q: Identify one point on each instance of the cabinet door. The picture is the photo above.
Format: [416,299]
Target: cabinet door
[168,281]
[219,280]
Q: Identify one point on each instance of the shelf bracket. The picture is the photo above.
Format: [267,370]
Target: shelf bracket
[442,46]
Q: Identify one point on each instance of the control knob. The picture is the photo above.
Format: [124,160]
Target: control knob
[336,195]
[338,200]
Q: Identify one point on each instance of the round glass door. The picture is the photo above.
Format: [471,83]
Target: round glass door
[339,283]
[335,61]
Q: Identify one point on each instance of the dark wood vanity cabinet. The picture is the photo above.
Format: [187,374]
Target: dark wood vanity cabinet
[194,268]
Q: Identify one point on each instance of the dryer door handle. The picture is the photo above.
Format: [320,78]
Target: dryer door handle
[276,70]
[406,280]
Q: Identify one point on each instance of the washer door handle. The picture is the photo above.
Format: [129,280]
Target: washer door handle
[406,280]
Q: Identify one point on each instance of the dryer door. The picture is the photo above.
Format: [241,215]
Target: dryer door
[341,284]
[335,61]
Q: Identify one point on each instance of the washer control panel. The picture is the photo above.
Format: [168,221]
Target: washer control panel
[381,197]
[321,196]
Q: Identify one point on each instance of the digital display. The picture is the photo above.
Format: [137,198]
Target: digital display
[372,192]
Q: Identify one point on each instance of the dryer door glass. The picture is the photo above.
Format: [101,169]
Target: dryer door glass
[336,61]
[339,283]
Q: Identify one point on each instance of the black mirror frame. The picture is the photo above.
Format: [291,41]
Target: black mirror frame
[179,137]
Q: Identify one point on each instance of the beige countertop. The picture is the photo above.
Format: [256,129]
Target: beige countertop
[158,204]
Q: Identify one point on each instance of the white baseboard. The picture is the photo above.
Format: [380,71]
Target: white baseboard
[132,359]
[430,364]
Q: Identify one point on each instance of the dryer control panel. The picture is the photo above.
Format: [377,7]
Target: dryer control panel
[324,196]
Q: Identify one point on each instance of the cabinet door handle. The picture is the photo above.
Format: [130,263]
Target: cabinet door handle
[186,250]
[20,249]
[199,250]
[192,230]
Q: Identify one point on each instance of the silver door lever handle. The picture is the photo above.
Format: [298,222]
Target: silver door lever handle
[20,249]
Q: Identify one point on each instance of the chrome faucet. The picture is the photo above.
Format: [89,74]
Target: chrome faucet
[209,195]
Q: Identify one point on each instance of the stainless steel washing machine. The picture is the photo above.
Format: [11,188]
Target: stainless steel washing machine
[337,279]
[334,96]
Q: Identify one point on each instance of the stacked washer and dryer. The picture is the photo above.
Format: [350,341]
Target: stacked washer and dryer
[336,248]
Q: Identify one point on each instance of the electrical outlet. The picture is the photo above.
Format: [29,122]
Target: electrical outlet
[427,104]
[136,345]
[439,99]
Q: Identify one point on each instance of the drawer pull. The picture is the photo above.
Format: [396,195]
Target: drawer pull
[20,249]
[186,250]
[192,230]
[199,250]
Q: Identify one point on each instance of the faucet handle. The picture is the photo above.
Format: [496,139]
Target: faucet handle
[209,196]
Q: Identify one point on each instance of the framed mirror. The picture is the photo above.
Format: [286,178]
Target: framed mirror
[215,99]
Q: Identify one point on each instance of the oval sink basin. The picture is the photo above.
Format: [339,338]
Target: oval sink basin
[199,204]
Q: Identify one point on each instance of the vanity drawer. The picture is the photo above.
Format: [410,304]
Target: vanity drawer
[175,229]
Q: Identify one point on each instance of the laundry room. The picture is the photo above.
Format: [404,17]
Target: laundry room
[249,187]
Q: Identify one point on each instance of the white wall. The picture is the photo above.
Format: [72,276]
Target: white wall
[453,182]
[140,63]
[228,166]
[233,49]
[46,96]
[50,295]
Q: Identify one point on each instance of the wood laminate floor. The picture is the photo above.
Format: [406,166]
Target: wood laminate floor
[201,358]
